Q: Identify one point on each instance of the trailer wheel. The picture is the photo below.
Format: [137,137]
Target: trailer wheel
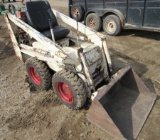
[77,9]
[94,21]
[112,25]
[38,73]
[70,89]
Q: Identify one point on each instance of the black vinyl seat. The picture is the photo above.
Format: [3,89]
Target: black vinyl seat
[38,14]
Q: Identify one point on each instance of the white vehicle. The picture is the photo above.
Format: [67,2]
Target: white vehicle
[79,67]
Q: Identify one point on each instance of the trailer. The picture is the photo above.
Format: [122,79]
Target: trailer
[79,68]
[115,15]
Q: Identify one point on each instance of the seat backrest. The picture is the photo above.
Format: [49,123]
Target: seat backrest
[38,13]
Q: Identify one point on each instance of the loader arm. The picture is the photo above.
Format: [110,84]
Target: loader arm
[14,41]
[54,55]
[93,36]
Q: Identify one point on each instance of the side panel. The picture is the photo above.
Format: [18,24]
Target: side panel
[152,13]
[94,4]
[135,12]
[120,5]
[80,2]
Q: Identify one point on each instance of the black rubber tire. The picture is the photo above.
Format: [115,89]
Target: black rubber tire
[76,85]
[94,21]
[8,0]
[42,70]
[115,22]
[14,0]
[80,11]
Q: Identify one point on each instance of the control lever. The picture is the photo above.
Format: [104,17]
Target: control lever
[51,29]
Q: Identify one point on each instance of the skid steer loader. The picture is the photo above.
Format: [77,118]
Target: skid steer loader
[79,67]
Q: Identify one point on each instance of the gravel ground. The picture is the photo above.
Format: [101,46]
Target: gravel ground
[33,115]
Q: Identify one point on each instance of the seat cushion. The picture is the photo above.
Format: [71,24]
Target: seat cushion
[38,14]
[59,32]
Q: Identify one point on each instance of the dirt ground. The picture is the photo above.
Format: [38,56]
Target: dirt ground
[26,114]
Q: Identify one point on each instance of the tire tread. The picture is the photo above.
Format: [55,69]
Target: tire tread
[44,73]
[77,85]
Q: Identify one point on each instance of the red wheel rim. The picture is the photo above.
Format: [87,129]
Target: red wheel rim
[34,75]
[65,92]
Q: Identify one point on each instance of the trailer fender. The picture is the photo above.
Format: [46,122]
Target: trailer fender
[103,13]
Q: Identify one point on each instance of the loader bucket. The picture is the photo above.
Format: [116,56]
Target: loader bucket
[121,107]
